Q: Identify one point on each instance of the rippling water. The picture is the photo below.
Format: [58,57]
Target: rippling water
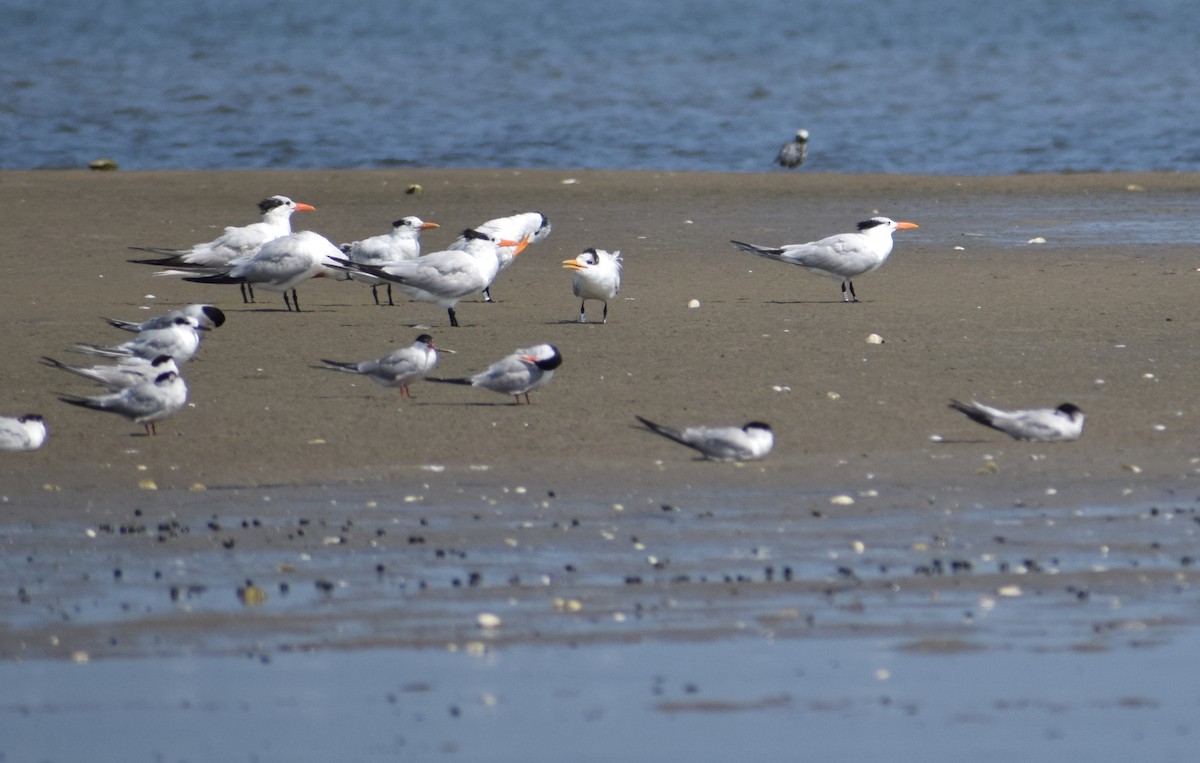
[935,86]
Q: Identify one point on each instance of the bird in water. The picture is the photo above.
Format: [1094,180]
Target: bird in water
[794,152]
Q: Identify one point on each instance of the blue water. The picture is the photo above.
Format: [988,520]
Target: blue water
[922,86]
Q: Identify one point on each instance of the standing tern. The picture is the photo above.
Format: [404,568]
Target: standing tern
[517,374]
[207,316]
[444,278]
[127,372]
[234,243]
[399,368]
[403,243]
[597,276]
[747,443]
[22,433]
[529,227]
[281,265]
[1040,424]
[180,340]
[794,152]
[842,257]
[145,403]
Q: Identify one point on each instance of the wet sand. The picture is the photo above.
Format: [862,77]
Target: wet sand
[370,522]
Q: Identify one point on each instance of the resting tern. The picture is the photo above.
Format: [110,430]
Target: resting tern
[747,443]
[517,374]
[403,243]
[22,433]
[207,316]
[597,276]
[234,243]
[125,373]
[399,368]
[180,340]
[145,403]
[793,153]
[444,278]
[843,257]
[529,227]
[1041,424]
[281,265]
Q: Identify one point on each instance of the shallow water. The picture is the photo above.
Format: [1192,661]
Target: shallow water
[883,85]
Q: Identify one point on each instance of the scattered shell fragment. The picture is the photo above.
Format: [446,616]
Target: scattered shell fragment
[414,190]
[1134,188]
[197,487]
[874,339]
[1132,468]
[833,396]
[1036,240]
[102,165]
[570,181]
[79,657]
[487,620]
[858,546]
[936,438]
[317,441]
[693,303]
[568,605]
[989,468]
[1009,590]
[251,595]
[147,485]
[842,500]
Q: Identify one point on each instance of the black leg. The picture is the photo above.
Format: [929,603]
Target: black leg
[390,302]
[295,301]
[487,294]
[605,318]
[453,317]
[246,299]
[853,296]
[287,303]
[374,293]
[250,288]
[582,312]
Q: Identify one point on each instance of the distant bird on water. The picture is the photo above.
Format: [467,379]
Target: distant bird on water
[746,443]
[597,276]
[1039,424]
[843,257]
[794,152]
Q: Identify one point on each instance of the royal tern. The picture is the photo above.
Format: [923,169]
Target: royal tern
[180,340]
[842,257]
[529,227]
[793,153]
[517,374]
[1041,424]
[234,243]
[207,316]
[597,276]
[22,433]
[125,373]
[399,368]
[747,443]
[403,243]
[281,265]
[145,403]
[444,278]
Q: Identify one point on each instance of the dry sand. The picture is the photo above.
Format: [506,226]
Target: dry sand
[998,320]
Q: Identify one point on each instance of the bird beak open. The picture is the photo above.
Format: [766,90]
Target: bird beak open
[520,245]
[301,207]
[428,226]
[906,226]
[572,265]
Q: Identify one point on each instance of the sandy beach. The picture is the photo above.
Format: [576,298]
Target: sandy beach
[369,522]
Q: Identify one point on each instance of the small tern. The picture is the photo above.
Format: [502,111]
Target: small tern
[794,152]
[403,243]
[145,403]
[747,443]
[1039,424]
[180,340]
[517,374]
[207,316]
[234,243]
[529,227]
[125,373]
[281,265]
[399,368]
[597,276]
[843,257]
[22,433]
[444,278]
